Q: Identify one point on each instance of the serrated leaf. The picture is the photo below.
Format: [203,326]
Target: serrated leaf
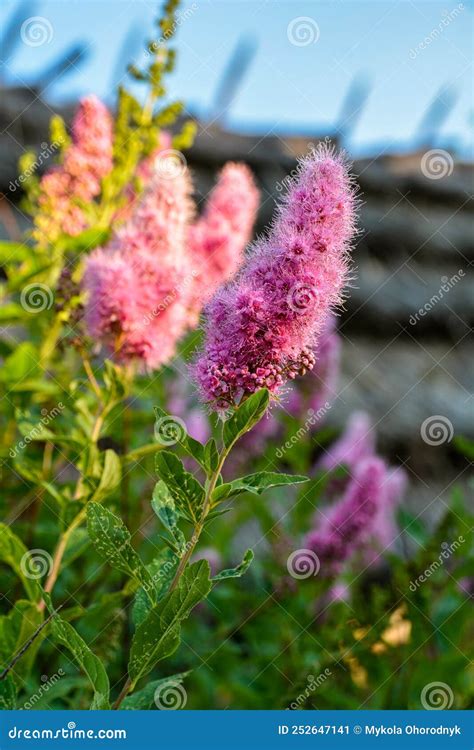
[245,417]
[187,492]
[14,553]
[144,698]
[112,540]
[256,484]
[192,447]
[110,477]
[238,571]
[158,636]
[66,635]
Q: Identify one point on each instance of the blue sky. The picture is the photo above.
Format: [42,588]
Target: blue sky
[405,51]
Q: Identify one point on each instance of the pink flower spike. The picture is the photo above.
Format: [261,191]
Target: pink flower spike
[347,524]
[262,328]
[218,238]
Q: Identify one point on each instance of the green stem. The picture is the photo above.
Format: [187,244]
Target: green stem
[197,531]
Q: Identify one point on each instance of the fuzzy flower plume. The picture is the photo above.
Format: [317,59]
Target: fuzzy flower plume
[348,523]
[67,188]
[362,521]
[137,289]
[145,288]
[262,328]
[218,238]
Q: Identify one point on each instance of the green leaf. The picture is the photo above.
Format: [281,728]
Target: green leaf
[161,570]
[238,571]
[14,252]
[164,507]
[255,483]
[7,694]
[14,553]
[66,635]
[158,636]
[187,492]
[11,312]
[16,630]
[21,364]
[114,381]
[192,447]
[111,538]
[87,240]
[211,455]
[245,417]
[144,698]
[110,477]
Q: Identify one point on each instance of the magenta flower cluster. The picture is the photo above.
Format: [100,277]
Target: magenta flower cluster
[146,288]
[262,329]
[362,520]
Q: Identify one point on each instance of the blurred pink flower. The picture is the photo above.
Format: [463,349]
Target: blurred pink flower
[347,524]
[143,316]
[66,189]
[218,238]
[356,443]
[262,328]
